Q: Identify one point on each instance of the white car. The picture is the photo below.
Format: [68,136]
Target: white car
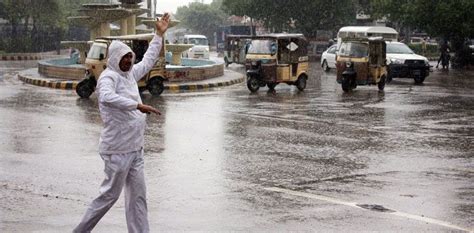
[200,48]
[328,58]
[404,63]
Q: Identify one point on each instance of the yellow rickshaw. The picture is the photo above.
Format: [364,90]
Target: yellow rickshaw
[361,61]
[277,58]
[96,62]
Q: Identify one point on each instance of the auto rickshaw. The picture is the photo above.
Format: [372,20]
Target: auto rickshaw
[236,47]
[361,61]
[277,58]
[96,62]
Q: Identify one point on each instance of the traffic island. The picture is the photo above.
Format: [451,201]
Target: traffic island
[31,76]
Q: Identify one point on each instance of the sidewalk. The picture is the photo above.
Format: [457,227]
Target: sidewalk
[31,76]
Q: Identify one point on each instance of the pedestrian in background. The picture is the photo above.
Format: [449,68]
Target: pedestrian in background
[122,138]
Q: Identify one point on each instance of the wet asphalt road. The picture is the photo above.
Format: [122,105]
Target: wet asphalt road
[228,160]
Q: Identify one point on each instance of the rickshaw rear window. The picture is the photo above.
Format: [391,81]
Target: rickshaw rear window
[96,50]
[261,47]
[354,49]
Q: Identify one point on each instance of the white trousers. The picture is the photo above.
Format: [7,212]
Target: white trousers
[120,170]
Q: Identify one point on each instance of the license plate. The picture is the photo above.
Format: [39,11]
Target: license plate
[416,72]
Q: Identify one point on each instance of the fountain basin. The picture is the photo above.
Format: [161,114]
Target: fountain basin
[189,70]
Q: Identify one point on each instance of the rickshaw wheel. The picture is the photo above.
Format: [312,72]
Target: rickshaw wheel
[419,80]
[345,84]
[301,83]
[381,83]
[155,86]
[325,66]
[86,87]
[226,60]
[252,84]
[271,86]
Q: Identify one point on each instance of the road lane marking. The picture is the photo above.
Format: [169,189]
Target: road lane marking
[353,204]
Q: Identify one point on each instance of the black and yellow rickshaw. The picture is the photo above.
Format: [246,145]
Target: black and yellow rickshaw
[361,61]
[277,58]
[96,62]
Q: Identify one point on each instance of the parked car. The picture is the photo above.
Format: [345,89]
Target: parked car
[328,58]
[404,63]
[200,48]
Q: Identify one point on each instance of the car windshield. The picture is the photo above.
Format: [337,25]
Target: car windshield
[198,41]
[261,47]
[96,50]
[398,48]
[354,49]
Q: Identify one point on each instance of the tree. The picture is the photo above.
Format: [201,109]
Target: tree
[34,25]
[305,16]
[201,18]
[450,20]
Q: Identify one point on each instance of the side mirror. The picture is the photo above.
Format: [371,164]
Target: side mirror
[101,57]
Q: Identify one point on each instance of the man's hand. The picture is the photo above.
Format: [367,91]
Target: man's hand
[162,24]
[148,109]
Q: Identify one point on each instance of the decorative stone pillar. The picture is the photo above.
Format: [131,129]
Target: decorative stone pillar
[123,27]
[131,22]
[104,29]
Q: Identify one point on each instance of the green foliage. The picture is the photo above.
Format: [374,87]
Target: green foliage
[432,50]
[35,25]
[305,16]
[201,18]
[451,20]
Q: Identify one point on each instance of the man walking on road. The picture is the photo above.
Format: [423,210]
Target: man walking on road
[122,138]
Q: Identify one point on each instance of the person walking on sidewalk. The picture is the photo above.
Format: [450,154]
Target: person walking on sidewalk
[122,138]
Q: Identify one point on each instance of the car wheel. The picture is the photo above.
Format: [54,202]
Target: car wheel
[301,82]
[325,66]
[86,87]
[155,86]
[252,84]
[381,83]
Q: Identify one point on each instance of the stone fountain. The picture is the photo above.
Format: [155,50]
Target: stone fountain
[98,16]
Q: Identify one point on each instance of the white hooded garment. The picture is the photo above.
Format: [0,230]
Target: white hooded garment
[118,96]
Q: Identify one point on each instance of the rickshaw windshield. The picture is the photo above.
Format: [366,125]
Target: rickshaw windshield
[354,49]
[398,48]
[262,47]
[96,50]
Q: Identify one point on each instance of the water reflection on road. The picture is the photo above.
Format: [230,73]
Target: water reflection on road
[212,153]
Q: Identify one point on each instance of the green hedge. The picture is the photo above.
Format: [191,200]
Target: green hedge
[432,50]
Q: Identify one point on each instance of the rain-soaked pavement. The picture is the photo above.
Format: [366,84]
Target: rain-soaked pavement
[228,160]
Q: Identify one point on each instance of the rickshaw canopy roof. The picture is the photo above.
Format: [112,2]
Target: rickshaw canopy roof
[146,36]
[282,36]
[366,32]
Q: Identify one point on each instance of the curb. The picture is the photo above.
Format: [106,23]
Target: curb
[21,57]
[71,85]
[193,87]
[65,85]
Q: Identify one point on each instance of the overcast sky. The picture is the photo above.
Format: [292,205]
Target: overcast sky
[172,5]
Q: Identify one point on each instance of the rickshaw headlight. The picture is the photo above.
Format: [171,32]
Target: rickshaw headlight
[348,64]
